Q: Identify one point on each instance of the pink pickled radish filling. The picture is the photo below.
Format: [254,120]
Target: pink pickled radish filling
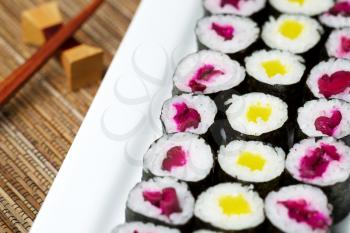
[186,117]
[225,31]
[166,200]
[334,84]
[340,8]
[234,3]
[302,213]
[204,74]
[315,164]
[344,44]
[327,125]
[175,157]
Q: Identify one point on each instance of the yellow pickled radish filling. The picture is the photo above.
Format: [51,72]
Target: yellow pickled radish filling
[258,111]
[234,205]
[252,161]
[301,2]
[291,29]
[274,67]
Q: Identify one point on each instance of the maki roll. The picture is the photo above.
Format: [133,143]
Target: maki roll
[251,162]
[162,201]
[338,44]
[324,163]
[338,16]
[294,33]
[207,72]
[321,117]
[305,7]
[229,207]
[276,72]
[188,113]
[140,227]
[298,209]
[253,116]
[236,7]
[184,156]
[228,34]
[330,79]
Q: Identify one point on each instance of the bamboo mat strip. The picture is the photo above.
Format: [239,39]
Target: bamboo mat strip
[38,126]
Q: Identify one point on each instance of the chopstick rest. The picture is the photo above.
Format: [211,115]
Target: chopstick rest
[83,64]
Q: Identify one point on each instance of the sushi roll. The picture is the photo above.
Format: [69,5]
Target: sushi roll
[229,207]
[184,156]
[338,16]
[188,113]
[162,201]
[338,44]
[298,209]
[251,162]
[205,231]
[330,79]
[324,163]
[207,72]
[277,73]
[306,7]
[228,34]
[140,227]
[235,7]
[253,116]
[322,118]
[294,33]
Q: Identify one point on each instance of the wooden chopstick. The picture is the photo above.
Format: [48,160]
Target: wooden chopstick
[22,74]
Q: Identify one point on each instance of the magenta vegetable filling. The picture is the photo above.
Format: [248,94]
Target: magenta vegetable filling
[204,74]
[186,117]
[327,125]
[340,8]
[234,3]
[315,163]
[225,31]
[334,84]
[300,211]
[166,200]
[175,157]
[344,44]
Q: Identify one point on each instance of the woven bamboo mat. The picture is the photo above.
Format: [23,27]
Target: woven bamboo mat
[38,126]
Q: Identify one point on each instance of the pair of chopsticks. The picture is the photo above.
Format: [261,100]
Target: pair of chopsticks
[23,73]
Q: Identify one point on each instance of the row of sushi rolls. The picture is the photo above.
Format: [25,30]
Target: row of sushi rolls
[257,132]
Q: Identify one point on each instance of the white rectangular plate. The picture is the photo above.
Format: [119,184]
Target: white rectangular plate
[105,160]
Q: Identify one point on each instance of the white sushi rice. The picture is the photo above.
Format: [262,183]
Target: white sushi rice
[313,109]
[207,207]
[138,204]
[245,7]
[308,38]
[335,21]
[308,7]
[278,214]
[202,104]
[199,157]
[205,231]
[333,44]
[239,106]
[337,171]
[294,66]
[246,32]
[141,227]
[274,161]
[328,67]
[233,75]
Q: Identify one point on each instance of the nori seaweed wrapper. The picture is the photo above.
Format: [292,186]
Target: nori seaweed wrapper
[263,188]
[199,224]
[132,216]
[196,187]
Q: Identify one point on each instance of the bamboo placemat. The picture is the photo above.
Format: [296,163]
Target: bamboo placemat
[38,126]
